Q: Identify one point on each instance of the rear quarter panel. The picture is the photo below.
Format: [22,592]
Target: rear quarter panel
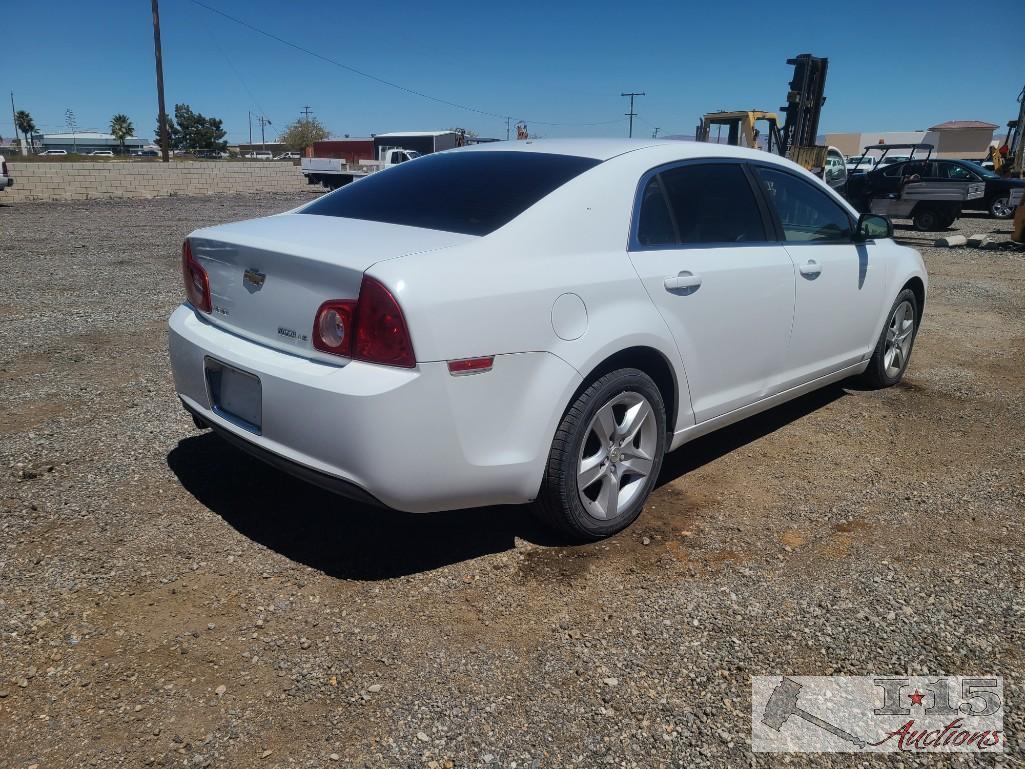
[496,294]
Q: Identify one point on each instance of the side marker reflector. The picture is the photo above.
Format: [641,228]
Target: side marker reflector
[471,365]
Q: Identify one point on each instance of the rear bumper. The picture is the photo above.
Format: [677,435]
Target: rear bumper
[336,485]
[417,440]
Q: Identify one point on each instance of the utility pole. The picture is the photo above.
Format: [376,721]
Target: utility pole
[160,83]
[508,120]
[14,117]
[306,113]
[631,114]
[250,113]
[263,122]
[654,134]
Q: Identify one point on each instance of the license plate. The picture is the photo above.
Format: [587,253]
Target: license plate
[236,395]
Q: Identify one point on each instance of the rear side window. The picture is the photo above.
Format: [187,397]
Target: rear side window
[806,213]
[473,193]
[956,172]
[694,204]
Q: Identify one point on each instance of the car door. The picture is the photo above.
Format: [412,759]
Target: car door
[840,283]
[704,247]
[957,172]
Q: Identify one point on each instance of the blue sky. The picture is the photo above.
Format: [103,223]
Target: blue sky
[892,66]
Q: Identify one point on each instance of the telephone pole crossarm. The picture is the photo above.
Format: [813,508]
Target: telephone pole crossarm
[631,114]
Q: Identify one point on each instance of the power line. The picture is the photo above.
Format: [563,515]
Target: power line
[381,80]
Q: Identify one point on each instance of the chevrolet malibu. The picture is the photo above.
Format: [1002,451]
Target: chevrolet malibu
[535,322]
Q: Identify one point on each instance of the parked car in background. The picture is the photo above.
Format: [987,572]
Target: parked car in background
[6,180]
[53,153]
[146,154]
[994,201]
[857,164]
[259,155]
[473,328]
[891,159]
[101,154]
[289,156]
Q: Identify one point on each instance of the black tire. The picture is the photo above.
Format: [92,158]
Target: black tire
[559,503]
[999,207]
[926,219]
[947,221]
[876,376]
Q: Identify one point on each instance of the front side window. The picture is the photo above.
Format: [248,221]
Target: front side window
[696,204]
[920,168]
[806,213]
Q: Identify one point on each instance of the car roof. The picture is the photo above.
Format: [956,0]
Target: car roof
[604,149]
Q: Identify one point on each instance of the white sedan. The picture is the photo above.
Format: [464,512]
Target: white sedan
[535,322]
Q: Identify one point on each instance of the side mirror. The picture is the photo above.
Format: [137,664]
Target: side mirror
[873,227]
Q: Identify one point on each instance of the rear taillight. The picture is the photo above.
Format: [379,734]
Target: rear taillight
[371,329]
[3,171]
[332,330]
[197,282]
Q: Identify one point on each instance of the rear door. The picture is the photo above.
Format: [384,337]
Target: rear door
[703,246]
[840,283]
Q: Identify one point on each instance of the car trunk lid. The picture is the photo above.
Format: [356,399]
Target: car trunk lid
[269,276]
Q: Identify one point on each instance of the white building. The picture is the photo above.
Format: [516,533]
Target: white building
[86,141]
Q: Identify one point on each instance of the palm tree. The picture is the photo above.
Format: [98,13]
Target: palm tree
[121,127]
[24,123]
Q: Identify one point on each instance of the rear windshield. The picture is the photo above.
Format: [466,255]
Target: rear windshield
[473,193]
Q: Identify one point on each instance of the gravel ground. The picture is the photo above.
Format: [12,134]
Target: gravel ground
[166,600]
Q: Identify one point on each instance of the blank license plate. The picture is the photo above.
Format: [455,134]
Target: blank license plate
[236,395]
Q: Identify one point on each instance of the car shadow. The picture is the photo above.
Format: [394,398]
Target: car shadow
[337,536]
[708,448]
[349,540]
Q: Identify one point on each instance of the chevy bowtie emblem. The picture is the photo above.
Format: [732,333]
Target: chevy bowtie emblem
[253,279]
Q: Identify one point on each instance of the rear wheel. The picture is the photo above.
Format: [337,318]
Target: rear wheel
[605,458]
[926,219]
[1000,207]
[893,350]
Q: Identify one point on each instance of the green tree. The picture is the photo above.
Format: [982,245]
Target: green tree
[121,128]
[190,130]
[303,133]
[24,123]
[198,132]
[172,135]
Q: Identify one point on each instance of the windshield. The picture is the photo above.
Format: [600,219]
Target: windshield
[473,193]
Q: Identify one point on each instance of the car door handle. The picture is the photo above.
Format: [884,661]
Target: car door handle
[810,269]
[685,279]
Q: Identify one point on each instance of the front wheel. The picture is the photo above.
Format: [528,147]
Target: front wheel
[605,458]
[893,350]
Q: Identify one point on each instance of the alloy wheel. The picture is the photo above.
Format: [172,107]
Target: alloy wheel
[1001,208]
[617,455]
[899,335]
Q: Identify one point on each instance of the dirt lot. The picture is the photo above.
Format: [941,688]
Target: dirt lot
[166,600]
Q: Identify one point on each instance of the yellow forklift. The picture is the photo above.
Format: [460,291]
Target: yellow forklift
[796,138]
[1009,160]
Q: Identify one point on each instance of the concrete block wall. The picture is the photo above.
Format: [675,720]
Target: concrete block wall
[126,179]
